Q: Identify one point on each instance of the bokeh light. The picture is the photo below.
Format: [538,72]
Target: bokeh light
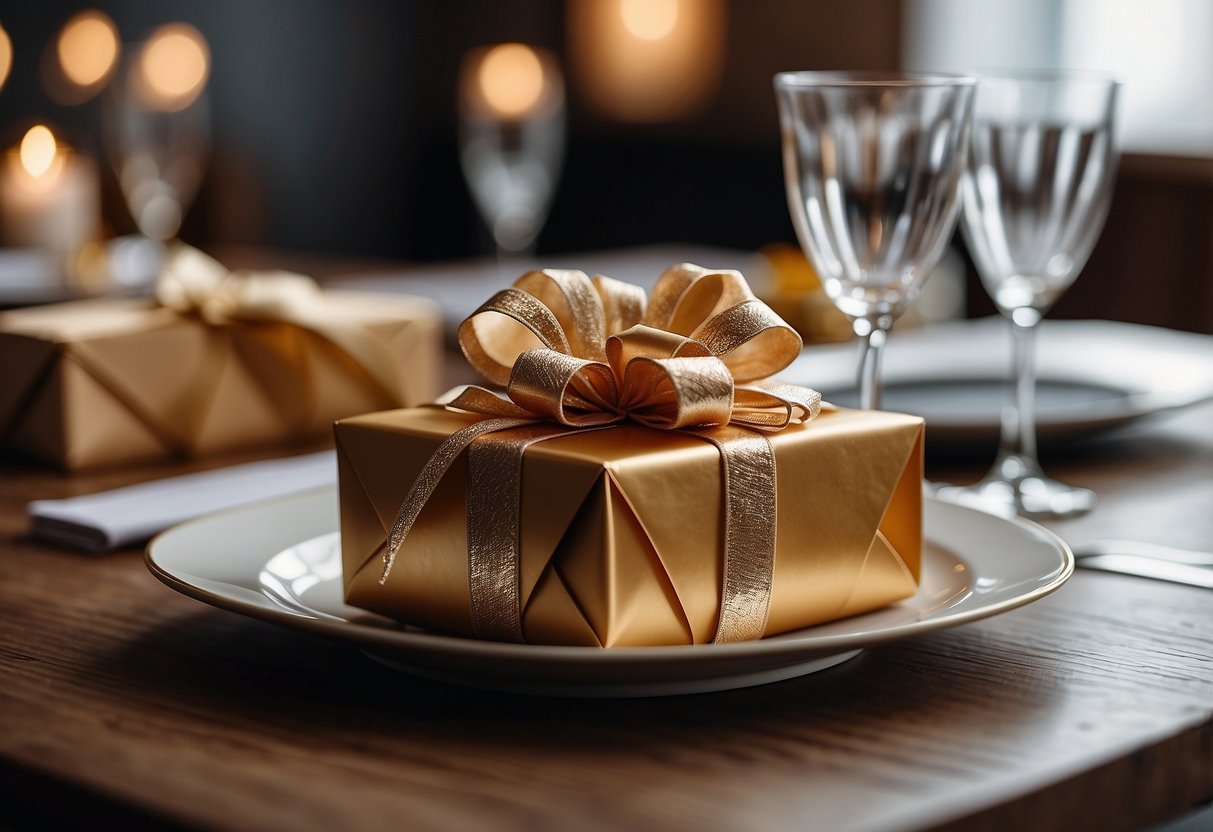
[6,56]
[174,66]
[88,48]
[649,19]
[647,60]
[511,79]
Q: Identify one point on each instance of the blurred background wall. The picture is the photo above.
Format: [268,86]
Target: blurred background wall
[335,123]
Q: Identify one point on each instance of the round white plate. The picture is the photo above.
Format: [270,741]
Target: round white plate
[281,561]
[1093,376]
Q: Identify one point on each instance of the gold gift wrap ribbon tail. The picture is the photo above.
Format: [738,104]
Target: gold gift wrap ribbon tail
[748,465]
[428,480]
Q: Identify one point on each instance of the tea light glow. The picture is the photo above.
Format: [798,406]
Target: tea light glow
[49,196]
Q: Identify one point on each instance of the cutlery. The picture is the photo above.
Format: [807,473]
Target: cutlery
[1146,560]
[1145,550]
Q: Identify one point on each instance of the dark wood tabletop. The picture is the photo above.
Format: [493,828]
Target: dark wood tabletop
[124,704]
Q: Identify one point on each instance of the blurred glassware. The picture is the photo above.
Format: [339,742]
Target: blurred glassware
[782,276]
[512,137]
[1036,192]
[872,166]
[158,125]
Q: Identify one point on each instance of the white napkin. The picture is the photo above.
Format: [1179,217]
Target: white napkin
[113,519]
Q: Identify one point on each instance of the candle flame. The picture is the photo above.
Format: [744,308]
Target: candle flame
[511,79]
[649,19]
[38,151]
[174,66]
[88,48]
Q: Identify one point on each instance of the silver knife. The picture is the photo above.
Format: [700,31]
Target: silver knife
[1148,567]
[1154,551]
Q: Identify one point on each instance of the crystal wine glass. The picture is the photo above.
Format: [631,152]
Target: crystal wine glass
[158,125]
[872,166]
[512,136]
[1035,195]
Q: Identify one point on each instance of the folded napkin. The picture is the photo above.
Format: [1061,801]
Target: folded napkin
[113,519]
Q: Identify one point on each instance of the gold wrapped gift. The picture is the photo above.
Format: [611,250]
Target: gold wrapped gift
[622,529]
[638,482]
[219,362]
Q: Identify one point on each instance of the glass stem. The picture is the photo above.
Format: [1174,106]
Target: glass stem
[872,334]
[1019,420]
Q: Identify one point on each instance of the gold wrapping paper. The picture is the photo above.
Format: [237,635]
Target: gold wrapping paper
[102,382]
[622,527]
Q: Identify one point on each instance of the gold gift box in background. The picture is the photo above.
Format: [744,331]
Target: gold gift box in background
[103,382]
[622,529]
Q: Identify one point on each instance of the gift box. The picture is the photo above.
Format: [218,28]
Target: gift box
[622,529]
[639,481]
[218,362]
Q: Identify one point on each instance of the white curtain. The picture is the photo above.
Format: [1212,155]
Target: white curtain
[1162,50]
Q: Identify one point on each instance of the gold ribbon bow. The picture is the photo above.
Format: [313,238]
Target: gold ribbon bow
[193,283]
[586,354]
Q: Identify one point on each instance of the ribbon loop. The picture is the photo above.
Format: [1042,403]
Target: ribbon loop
[642,341]
[753,341]
[510,323]
[574,301]
[572,391]
[622,303]
[193,283]
[675,393]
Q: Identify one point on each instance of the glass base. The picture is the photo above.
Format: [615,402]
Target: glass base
[1017,486]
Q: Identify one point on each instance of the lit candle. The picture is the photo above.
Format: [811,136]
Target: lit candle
[49,196]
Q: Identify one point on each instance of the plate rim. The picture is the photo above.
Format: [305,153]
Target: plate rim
[1135,404]
[447,645]
[1139,398]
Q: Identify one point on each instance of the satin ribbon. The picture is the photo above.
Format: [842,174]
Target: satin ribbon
[195,284]
[579,354]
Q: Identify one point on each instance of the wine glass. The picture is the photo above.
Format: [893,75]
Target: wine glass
[1035,195]
[158,124]
[872,166]
[512,137]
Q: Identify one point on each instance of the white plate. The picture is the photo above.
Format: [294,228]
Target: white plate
[281,561]
[33,276]
[1093,376]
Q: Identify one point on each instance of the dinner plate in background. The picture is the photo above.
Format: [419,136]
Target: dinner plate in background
[1092,376]
[34,276]
[281,561]
[460,286]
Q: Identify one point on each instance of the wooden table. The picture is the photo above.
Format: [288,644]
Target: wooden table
[124,704]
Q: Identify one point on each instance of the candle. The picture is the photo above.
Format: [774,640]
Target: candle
[49,196]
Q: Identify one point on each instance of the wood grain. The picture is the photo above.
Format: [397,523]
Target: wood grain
[123,703]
